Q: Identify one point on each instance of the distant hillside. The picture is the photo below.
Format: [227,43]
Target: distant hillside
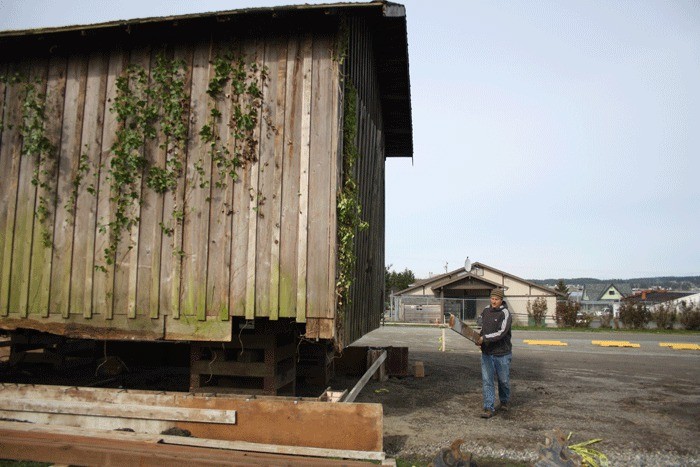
[670,282]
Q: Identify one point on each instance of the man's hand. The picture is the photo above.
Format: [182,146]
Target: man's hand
[480,341]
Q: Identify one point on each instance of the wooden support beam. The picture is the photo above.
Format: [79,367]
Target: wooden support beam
[125,411]
[73,445]
[264,420]
[366,377]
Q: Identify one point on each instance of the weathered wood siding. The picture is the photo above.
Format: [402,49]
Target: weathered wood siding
[262,247]
[367,293]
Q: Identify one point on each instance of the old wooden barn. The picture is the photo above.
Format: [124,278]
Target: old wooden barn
[202,178]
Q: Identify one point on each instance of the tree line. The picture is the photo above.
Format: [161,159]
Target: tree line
[663,282]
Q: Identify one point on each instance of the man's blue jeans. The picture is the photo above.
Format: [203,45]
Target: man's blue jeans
[492,367]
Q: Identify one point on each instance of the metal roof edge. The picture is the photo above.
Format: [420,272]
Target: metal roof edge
[221,14]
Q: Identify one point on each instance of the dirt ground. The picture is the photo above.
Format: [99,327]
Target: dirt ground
[643,403]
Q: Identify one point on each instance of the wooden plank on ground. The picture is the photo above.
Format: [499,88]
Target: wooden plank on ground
[366,377]
[15,407]
[274,420]
[76,446]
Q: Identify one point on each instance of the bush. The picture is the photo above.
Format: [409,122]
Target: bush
[635,316]
[537,310]
[690,316]
[664,316]
[606,319]
[583,320]
[566,313]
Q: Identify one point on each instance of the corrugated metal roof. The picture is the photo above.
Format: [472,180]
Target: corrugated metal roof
[391,47]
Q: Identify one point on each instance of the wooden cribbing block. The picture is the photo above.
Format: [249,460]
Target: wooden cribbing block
[419,370]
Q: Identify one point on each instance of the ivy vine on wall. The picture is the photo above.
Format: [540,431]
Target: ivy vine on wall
[245,103]
[36,144]
[349,210]
[155,106]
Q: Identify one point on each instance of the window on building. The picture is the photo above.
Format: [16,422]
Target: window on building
[611,292]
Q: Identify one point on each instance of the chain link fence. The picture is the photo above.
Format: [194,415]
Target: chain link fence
[434,310]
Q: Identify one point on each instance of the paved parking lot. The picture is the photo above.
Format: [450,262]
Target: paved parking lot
[644,403]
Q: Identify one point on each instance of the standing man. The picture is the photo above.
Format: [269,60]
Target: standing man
[496,353]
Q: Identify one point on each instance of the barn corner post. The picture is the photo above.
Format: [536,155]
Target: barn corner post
[347,152]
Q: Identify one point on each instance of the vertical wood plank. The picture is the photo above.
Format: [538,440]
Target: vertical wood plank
[264,201]
[67,170]
[173,207]
[24,217]
[10,153]
[103,281]
[320,177]
[85,205]
[276,207]
[334,179]
[240,231]
[3,86]
[272,128]
[304,167]
[39,285]
[239,243]
[4,71]
[254,54]
[197,191]
[151,217]
[126,262]
[289,222]
[219,263]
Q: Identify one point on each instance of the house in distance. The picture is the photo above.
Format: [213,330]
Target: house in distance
[465,293]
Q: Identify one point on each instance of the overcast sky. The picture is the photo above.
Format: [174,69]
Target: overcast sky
[551,138]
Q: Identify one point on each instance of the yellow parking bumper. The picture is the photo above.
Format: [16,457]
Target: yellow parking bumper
[544,342]
[679,346]
[615,344]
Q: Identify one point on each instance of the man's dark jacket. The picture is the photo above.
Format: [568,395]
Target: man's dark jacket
[495,329]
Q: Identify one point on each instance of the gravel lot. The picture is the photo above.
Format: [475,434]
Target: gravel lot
[644,403]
